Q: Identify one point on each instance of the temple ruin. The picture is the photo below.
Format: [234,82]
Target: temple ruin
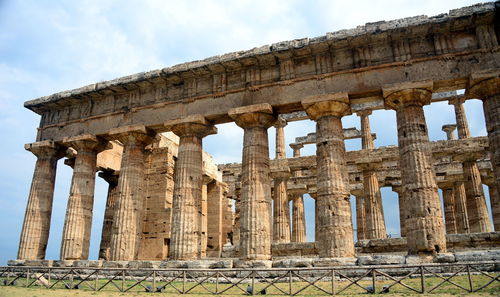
[167,200]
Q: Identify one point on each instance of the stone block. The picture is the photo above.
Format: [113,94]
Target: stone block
[62,263]
[88,263]
[445,258]
[173,264]
[16,263]
[253,264]
[419,259]
[381,260]
[143,264]
[332,262]
[222,263]
[477,256]
[115,264]
[38,263]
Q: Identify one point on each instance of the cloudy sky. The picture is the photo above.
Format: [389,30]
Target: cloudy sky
[51,46]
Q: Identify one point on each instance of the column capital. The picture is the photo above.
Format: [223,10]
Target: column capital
[133,134]
[194,125]
[280,123]
[372,165]
[365,112]
[446,185]
[456,100]
[412,93]
[257,115]
[449,129]
[46,148]
[357,192]
[296,146]
[86,142]
[294,190]
[327,105]
[484,85]
[110,176]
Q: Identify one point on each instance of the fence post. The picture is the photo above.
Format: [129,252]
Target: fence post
[422,279]
[469,277]
[27,277]
[96,282]
[374,275]
[289,282]
[154,282]
[183,281]
[253,282]
[217,283]
[123,280]
[333,281]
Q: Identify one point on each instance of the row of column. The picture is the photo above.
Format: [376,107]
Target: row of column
[423,219]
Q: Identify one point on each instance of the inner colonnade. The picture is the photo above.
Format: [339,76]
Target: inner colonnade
[166,201]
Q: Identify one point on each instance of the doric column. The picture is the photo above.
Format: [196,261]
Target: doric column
[75,241]
[237,219]
[215,212]
[449,130]
[297,197]
[418,179]
[111,177]
[281,209]
[36,225]
[402,212]
[374,215]
[366,132]
[477,210]
[127,225]
[333,205]
[495,206]
[449,208]
[202,206]
[184,242]
[486,86]
[255,212]
[314,195]
[461,217]
[360,213]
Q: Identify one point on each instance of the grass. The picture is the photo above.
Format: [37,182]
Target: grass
[446,289]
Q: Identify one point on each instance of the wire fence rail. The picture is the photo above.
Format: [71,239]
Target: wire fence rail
[423,278]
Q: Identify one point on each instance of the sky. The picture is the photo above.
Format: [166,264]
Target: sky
[51,46]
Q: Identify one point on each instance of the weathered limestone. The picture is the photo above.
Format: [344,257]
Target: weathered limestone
[36,225]
[216,203]
[112,179]
[476,204]
[127,224]
[298,212]
[255,205]
[495,206]
[461,217]
[78,223]
[334,210]
[449,209]
[449,130]
[425,233]
[360,214]
[374,215]
[281,209]
[486,86]
[184,242]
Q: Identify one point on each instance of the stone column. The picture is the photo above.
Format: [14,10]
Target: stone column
[449,208]
[374,215]
[255,213]
[461,218]
[127,225]
[111,177]
[36,225]
[188,185]
[449,130]
[486,86]
[360,214]
[215,212]
[298,211]
[402,212]
[495,206]
[75,241]
[334,209]
[237,221]
[314,195]
[202,206]
[418,179]
[477,210]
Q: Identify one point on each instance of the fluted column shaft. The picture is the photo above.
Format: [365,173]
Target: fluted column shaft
[298,211]
[495,206]
[109,212]
[461,217]
[449,210]
[360,217]
[78,222]
[487,88]
[255,205]
[36,225]
[374,216]
[425,233]
[127,224]
[188,181]
[402,211]
[477,210]
[333,206]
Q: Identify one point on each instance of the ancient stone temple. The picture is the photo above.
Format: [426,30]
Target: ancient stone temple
[167,200]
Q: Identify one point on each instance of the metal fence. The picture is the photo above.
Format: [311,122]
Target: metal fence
[424,278]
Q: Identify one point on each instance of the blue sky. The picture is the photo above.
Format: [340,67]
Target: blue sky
[51,46]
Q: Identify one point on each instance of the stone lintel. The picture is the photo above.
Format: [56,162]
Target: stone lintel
[257,115]
[484,84]
[86,141]
[407,93]
[468,156]
[318,106]
[296,189]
